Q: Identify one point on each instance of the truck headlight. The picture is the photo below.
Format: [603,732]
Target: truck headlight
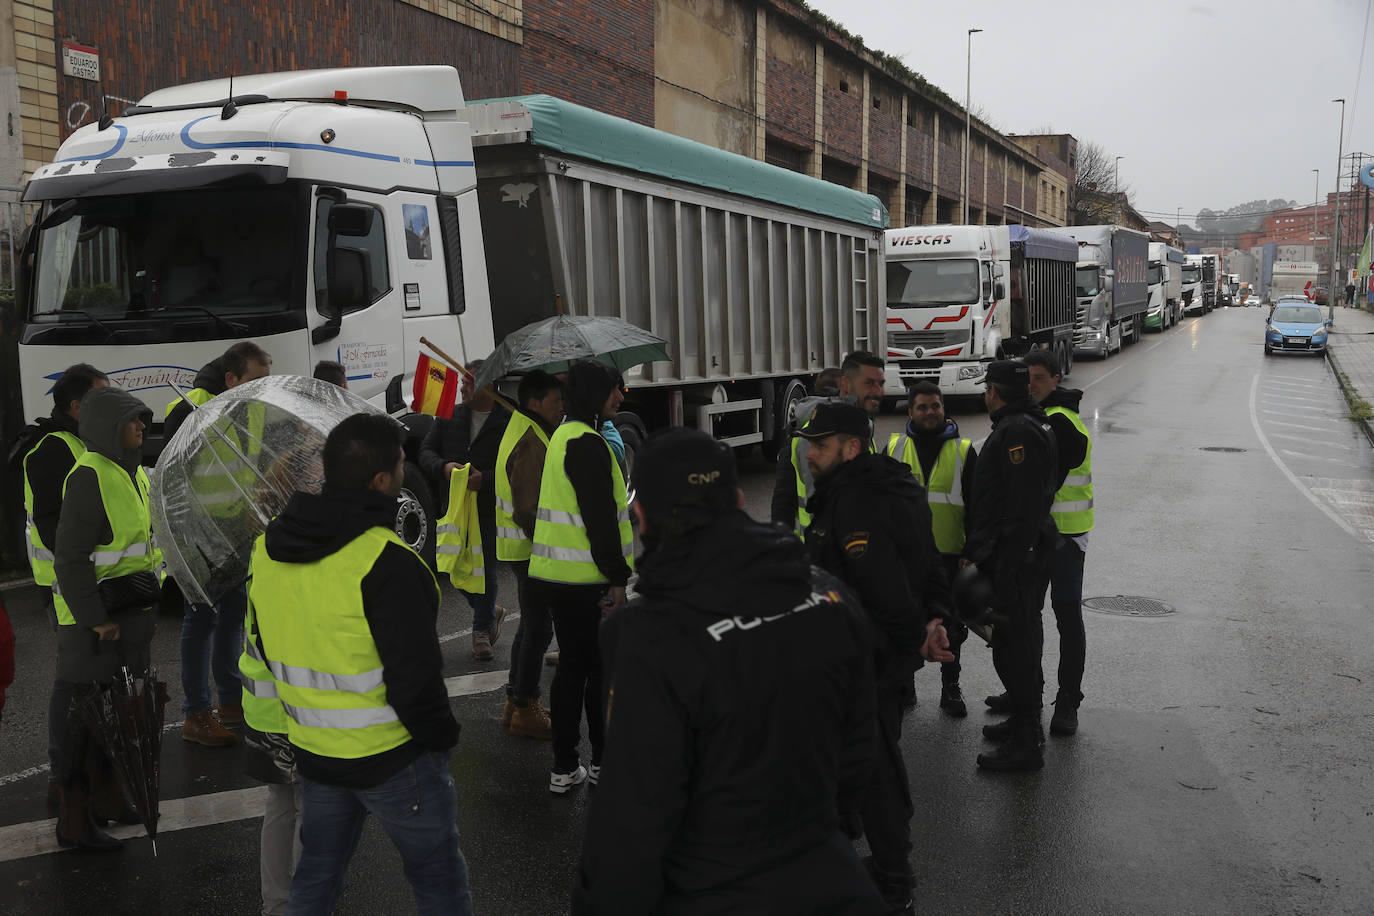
[968,372]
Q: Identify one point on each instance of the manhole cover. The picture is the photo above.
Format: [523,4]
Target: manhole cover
[1128,606]
[1221,448]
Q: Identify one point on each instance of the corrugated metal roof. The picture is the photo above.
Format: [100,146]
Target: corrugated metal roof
[589,134]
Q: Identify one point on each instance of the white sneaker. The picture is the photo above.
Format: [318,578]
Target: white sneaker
[593,773]
[562,782]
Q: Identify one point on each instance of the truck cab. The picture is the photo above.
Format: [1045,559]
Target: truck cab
[1165,283]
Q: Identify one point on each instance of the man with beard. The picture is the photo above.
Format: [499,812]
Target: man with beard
[943,463]
[871,527]
[739,717]
[1011,543]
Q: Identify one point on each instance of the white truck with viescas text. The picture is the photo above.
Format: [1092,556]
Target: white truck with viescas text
[959,297]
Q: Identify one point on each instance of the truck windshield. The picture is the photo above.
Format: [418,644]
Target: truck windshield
[1153,277]
[916,284]
[221,252]
[1086,280]
[1192,273]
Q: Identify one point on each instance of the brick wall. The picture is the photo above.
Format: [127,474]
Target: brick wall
[920,145]
[951,159]
[791,101]
[150,44]
[598,53]
[885,131]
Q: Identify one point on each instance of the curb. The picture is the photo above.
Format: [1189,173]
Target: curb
[1347,389]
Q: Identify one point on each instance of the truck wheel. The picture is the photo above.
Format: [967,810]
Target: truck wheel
[792,393]
[417,514]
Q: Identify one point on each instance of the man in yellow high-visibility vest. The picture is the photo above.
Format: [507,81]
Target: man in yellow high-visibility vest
[519,470]
[1073,517]
[47,452]
[345,614]
[581,557]
[943,463]
[212,635]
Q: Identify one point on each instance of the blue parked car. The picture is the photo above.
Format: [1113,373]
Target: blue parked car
[1295,327]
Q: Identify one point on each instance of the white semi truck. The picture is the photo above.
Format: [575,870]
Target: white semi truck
[343,214]
[1294,278]
[961,296]
[1191,294]
[1113,293]
[1165,279]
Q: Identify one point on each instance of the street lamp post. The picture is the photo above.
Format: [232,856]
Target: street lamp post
[968,115]
[1316,191]
[1116,192]
[1337,263]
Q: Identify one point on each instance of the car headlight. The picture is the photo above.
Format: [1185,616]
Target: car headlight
[1320,334]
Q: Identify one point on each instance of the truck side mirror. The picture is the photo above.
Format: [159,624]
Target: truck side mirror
[1164,273]
[351,220]
[999,290]
[1108,280]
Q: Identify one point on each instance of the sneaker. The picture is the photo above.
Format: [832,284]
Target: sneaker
[593,773]
[508,711]
[559,783]
[481,647]
[532,721]
[1065,719]
[952,701]
[498,614]
[229,713]
[204,728]
[551,658]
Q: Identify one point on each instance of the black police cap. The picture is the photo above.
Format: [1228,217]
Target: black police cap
[837,417]
[1008,373]
[680,468]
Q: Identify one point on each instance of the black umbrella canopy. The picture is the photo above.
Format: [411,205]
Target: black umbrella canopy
[554,343]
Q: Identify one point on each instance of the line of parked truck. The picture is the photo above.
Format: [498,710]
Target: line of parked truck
[344,214]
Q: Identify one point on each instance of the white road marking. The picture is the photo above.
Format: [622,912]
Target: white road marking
[1308,457]
[1315,429]
[1292,478]
[1314,398]
[36,838]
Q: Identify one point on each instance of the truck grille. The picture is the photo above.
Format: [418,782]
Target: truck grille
[1081,317]
[908,340]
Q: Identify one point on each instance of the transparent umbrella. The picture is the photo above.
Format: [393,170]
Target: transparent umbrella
[555,342]
[231,467]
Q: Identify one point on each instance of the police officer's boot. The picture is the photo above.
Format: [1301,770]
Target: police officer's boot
[1021,752]
[951,697]
[895,890]
[1065,718]
[76,825]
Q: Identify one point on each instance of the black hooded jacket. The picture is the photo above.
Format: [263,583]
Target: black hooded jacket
[211,378]
[588,466]
[1014,488]
[401,605]
[739,718]
[871,527]
[1071,445]
[46,469]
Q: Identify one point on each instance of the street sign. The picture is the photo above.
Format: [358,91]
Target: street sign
[80,61]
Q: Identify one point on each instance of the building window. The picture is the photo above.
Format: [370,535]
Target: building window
[502,18]
[784,155]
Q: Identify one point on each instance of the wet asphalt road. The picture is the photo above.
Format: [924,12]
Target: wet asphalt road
[1223,761]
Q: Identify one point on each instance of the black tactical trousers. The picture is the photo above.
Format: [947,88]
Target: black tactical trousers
[887,809]
[1018,638]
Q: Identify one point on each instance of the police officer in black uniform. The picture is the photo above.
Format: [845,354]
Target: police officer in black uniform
[1012,543]
[871,527]
[739,712]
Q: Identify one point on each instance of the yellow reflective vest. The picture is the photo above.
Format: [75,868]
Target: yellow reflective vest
[944,490]
[511,543]
[459,536]
[1073,504]
[40,554]
[196,396]
[130,548]
[262,708]
[561,551]
[319,649]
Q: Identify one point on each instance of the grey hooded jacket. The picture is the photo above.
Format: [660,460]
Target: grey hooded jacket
[83,526]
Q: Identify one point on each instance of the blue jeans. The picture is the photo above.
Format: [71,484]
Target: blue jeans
[484,606]
[418,808]
[211,643]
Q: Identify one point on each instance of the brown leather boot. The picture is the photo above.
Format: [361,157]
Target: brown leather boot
[532,721]
[76,827]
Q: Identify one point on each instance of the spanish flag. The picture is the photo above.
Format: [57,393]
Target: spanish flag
[436,387]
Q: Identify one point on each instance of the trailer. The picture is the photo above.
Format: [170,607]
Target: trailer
[961,296]
[1113,294]
[344,214]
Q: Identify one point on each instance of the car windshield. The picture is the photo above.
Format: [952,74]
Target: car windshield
[1086,281]
[1192,273]
[1155,273]
[193,251]
[1298,314]
[932,283]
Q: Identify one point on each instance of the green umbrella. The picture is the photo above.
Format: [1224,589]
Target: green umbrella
[555,342]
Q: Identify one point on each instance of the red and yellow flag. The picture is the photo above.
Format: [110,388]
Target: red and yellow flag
[436,387]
